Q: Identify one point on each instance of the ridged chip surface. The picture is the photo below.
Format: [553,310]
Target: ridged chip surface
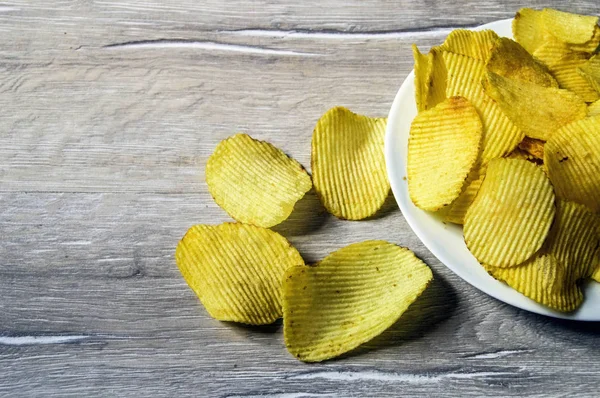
[591,72]
[474,44]
[236,270]
[348,298]
[255,182]
[566,71]
[348,163]
[511,215]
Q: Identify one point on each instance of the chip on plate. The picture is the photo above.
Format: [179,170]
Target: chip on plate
[590,70]
[474,44]
[569,27]
[348,163]
[511,214]
[255,182]
[539,111]
[528,28]
[572,159]
[566,70]
[442,148]
[349,297]
[236,270]
[423,70]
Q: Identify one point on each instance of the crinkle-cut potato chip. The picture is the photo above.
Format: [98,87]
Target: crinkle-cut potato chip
[566,72]
[542,279]
[509,59]
[474,44]
[533,147]
[511,214]
[455,213]
[255,182]
[591,46]
[349,297]
[539,111]
[348,163]
[568,27]
[500,135]
[423,70]
[551,51]
[591,72]
[528,28]
[572,159]
[236,270]
[594,108]
[442,148]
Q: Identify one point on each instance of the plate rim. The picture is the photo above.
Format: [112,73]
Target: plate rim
[512,298]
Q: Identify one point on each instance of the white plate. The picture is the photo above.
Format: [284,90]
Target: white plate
[446,241]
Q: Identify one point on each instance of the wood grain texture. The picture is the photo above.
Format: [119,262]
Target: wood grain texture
[109,112]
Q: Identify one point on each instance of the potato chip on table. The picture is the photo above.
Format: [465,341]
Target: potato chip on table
[236,270]
[348,163]
[255,182]
[349,297]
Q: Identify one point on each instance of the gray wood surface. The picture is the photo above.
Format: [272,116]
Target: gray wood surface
[109,110]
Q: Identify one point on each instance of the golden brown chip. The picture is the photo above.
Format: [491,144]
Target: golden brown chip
[533,147]
[255,182]
[348,163]
[566,72]
[348,298]
[591,72]
[423,70]
[236,270]
[474,44]
[572,159]
[568,27]
[509,59]
[539,111]
[528,28]
[511,214]
[442,148]
[518,153]
[594,108]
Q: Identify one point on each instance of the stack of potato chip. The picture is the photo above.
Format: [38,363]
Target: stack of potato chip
[244,272]
[506,142]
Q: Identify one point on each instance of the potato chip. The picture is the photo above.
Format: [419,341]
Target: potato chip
[254,182]
[518,153]
[236,270]
[594,108]
[455,213]
[542,279]
[568,27]
[533,147]
[348,163]
[348,298]
[539,111]
[509,59]
[572,159]
[551,51]
[442,148]
[423,70]
[528,28]
[596,269]
[511,214]
[566,72]
[591,72]
[590,46]
[474,44]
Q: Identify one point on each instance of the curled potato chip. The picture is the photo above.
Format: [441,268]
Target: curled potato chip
[591,72]
[509,59]
[542,279]
[539,111]
[442,148]
[254,182]
[348,163]
[566,72]
[528,28]
[511,214]
[568,27]
[572,159]
[423,70]
[236,270]
[474,44]
[533,147]
[348,298]
[594,108]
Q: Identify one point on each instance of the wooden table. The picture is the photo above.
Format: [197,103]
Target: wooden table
[109,110]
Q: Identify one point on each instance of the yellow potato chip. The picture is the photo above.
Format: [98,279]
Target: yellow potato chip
[511,214]
[528,28]
[442,148]
[566,72]
[590,46]
[348,298]
[594,108]
[533,147]
[539,111]
[236,270]
[455,213]
[568,27]
[348,163]
[591,72]
[254,182]
[423,70]
[475,44]
[572,159]
[438,79]
[596,269]
[509,59]
[551,50]
[542,278]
